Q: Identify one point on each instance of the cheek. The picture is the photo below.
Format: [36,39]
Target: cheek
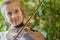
[20,16]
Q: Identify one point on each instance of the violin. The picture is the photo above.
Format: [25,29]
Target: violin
[33,34]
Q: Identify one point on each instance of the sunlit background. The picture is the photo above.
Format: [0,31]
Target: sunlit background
[46,21]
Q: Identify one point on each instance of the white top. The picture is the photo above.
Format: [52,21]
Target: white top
[3,35]
[25,36]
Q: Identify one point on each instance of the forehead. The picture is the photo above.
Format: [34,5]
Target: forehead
[12,6]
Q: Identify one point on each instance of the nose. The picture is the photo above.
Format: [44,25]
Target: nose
[14,15]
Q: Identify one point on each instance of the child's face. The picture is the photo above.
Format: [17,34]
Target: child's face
[13,14]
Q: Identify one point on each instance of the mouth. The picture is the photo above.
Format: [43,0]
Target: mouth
[15,21]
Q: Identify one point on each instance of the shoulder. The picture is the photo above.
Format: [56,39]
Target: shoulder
[10,34]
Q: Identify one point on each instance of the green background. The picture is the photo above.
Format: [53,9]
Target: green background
[47,19]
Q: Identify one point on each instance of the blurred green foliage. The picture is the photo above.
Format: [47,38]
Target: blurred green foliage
[47,19]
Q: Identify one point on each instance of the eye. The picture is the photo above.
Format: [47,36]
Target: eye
[9,13]
[16,11]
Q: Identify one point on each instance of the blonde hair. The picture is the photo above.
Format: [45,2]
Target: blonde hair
[5,2]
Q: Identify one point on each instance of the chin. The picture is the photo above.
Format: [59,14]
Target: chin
[15,24]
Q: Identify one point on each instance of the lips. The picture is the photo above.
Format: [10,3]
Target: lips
[15,20]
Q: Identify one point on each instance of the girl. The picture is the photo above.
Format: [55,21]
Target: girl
[14,14]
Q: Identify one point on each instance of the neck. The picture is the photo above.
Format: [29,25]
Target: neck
[19,26]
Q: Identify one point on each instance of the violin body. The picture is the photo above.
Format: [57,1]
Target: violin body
[36,35]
